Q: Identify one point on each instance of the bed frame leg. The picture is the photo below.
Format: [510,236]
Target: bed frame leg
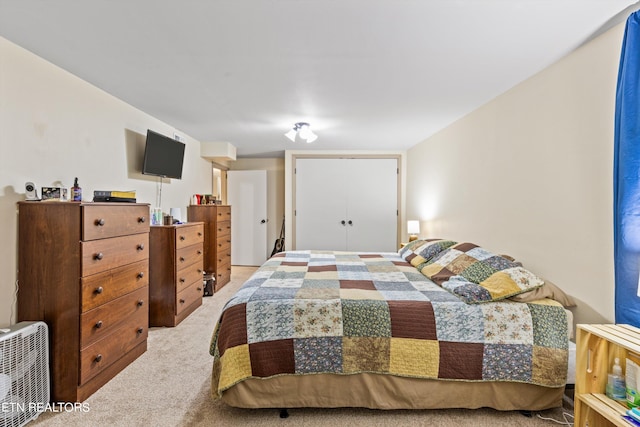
[284,413]
[527,414]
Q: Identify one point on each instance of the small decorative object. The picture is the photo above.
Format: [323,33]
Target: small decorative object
[51,193]
[176,214]
[413,228]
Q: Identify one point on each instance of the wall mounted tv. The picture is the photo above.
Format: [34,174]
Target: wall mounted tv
[163,156]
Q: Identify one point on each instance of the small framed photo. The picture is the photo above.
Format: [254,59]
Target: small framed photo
[52,193]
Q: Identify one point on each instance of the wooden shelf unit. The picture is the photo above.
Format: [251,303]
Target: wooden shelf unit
[596,348]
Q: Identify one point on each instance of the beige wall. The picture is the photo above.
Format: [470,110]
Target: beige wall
[54,127]
[530,174]
[275,192]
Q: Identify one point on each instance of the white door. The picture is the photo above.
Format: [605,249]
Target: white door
[372,205]
[320,201]
[346,204]
[247,195]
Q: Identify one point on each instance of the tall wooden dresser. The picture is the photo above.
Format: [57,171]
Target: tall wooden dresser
[175,272]
[83,269]
[217,240]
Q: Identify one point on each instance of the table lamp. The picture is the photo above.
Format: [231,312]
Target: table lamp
[413,228]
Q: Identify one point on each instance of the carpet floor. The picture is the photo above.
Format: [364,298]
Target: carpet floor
[169,385]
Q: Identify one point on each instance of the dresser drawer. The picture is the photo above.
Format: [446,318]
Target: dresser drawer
[187,236]
[101,288]
[223,275]
[101,321]
[105,254]
[99,355]
[102,221]
[223,213]
[223,228]
[188,296]
[188,275]
[189,255]
[223,246]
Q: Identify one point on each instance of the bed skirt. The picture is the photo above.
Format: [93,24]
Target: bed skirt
[377,391]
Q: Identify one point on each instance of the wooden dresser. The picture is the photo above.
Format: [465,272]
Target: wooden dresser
[83,269]
[217,240]
[175,272]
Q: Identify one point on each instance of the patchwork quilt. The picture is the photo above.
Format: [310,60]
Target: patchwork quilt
[309,312]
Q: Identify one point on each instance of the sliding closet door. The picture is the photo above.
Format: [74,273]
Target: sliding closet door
[372,205]
[346,204]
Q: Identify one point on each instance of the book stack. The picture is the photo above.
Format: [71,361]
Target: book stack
[114,196]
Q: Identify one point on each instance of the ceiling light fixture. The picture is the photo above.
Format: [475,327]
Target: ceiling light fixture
[302,130]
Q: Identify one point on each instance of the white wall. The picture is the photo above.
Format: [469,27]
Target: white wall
[54,127]
[530,174]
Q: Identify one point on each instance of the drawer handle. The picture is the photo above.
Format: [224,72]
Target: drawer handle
[228,268]
[98,256]
[142,219]
[182,237]
[99,324]
[182,280]
[140,330]
[199,271]
[98,290]
[199,233]
[228,241]
[199,288]
[141,246]
[140,303]
[100,222]
[141,275]
[219,229]
[181,301]
[98,358]
[199,252]
[181,259]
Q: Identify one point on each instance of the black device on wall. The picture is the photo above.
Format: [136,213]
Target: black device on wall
[163,156]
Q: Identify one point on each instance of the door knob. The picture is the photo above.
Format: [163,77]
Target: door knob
[263,221]
[343,222]
[350,222]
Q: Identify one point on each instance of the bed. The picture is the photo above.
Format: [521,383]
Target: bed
[440,324]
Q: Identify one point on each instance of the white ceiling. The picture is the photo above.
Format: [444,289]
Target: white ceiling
[367,74]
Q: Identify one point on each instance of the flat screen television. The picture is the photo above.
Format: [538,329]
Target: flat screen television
[163,156]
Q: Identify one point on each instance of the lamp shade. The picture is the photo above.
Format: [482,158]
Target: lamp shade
[413,227]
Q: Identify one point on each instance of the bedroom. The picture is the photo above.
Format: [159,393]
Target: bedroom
[559,121]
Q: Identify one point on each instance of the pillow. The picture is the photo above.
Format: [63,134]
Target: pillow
[547,290]
[421,251]
[477,275]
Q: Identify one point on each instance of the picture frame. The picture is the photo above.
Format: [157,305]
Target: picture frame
[55,194]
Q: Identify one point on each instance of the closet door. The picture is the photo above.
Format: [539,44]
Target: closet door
[372,205]
[320,204]
[346,204]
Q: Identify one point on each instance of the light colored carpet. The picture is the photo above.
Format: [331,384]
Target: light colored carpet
[169,385]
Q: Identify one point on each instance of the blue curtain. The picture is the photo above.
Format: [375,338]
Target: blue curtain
[626,178]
